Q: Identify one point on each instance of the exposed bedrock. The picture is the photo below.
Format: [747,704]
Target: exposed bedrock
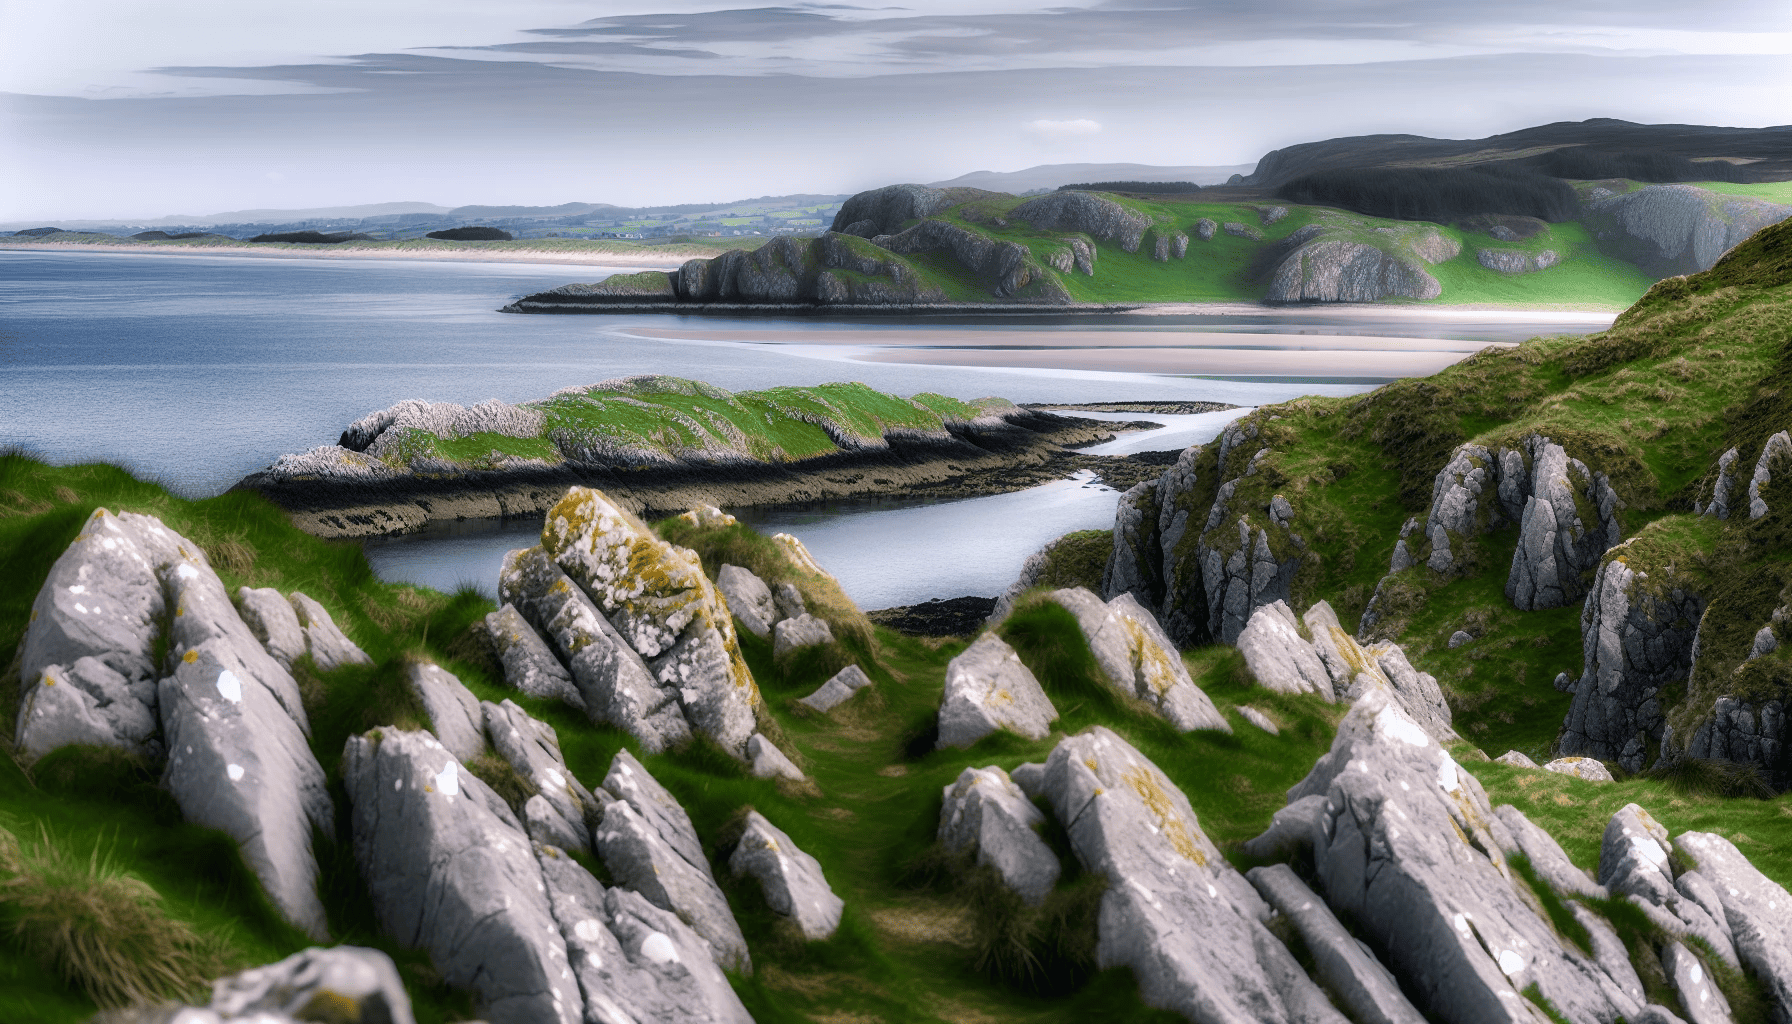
[1517,261]
[1007,268]
[1336,270]
[987,689]
[1138,660]
[1745,732]
[1093,215]
[984,813]
[883,211]
[1679,229]
[792,881]
[1637,630]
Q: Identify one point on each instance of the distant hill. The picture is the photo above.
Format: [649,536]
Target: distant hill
[1051,176]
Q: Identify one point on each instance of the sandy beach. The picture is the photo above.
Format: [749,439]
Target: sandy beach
[669,260]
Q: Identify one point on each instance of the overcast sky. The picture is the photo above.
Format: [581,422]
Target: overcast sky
[149,108]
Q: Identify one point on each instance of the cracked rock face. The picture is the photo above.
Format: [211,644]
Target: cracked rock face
[449,869]
[1277,656]
[1637,637]
[1557,542]
[987,688]
[1776,452]
[1754,910]
[269,615]
[1746,734]
[791,879]
[986,812]
[1093,215]
[749,599]
[1406,847]
[533,749]
[529,664]
[328,645]
[1682,229]
[1188,925]
[1723,490]
[454,713]
[1138,659]
[1336,270]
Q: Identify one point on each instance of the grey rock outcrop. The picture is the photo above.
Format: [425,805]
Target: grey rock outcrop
[987,812]
[987,688]
[270,616]
[786,597]
[1777,451]
[1244,231]
[1679,229]
[1417,693]
[1204,229]
[805,630]
[87,703]
[1278,657]
[1138,659]
[749,599]
[532,748]
[1270,214]
[329,647]
[1336,270]
[649,845]
[1547,858]
[837,690]
[1093,215]
[1723,489]
[883,211]
[1006,268]
[634,962]
[791,879]
[1189,926]
[1700,997]
[529,664]
[1406,848]
[614,684]
[377,432]
[363,982]
[662,604]
[1584,768]
[1517,760]
[448,869]
[1555,545]
[1517,261]
[766,761]
[1637,636]
[454,714]
[1745,733]
[1753,910]
[1384,667]
[1636,860]
[1347,969]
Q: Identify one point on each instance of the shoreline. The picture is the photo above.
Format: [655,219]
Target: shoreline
[344,251]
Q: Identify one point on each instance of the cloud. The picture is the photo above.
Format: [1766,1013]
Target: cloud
[1082,127]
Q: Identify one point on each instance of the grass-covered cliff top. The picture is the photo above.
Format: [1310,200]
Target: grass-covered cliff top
[649,419]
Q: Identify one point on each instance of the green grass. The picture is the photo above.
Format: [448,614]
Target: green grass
[1772,191]
[1586,277]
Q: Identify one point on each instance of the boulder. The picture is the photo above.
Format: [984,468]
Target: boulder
[1187,924]
[1634,857]
[1405,847]
[749,599]
[454,713]
[1584,768]
[448,869]
[352,982]
[532,748]
[1346,968]
[1555,547]
[88,703]
[660,602]
[1547,858]
[786,598]
[1258,719]
[1245,231]
[1458,638]
[883,211]
[1723,490]
[1678,229]
[1271,214]
[1637,632]
[805,630]
[1754,909]
[766,761]
[1204,229]
[1700,997]
[529,665]
[1138,659]
[634,961]
[647,843]
[1777,450]
[987,688]
[616,686]
[270,617]
[1517,261]
[1337,270]
[837,690]
[1093,215]
[203,613]
[328,646]
[1517,760]
[791,879]
[986,813]
[1277,656]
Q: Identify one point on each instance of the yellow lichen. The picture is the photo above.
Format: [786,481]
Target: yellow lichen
[1157,800]
[190,657]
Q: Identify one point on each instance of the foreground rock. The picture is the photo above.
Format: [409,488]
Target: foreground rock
[329,647]
[563,810]
[454,713]
[1138,660]
[1277,656]
[839,689]
[1360,982]
[986,814]
[791,879]
[1187,924]
[1679,229]
[987,688]
[344,982]
[529,665]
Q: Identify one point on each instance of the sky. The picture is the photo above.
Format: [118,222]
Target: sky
[153,108]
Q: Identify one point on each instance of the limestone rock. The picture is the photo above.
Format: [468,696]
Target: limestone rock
[448,869]
[1637,635]
[1277,656]
[1258,719]
[529,665]
[1699,994]
[1405,848]
[270,617]
[533,749]
[1723,489]
[614,683]
[987,688]
[803,631]
[1245,231]
[87,703]
[1777,450]
[1417,693]
[1517,261]
[1458,638]
[1242,578]
[1204,229]
[1611,956]
[1006,268]
[1132,568]
[749,599]
[1679,229]
[1188,925]
[1517,760]
[787,598]
[766,761]
[1555,546]
[838,689]
[792,880]
[1336,270]
[203,613]
[328,646]
[986,811]
[1546,856]
[1093,215]
[1633,856]
[1291,829]
[647,842]
[1361,983]
[634,961]
[348,979]
[1138,659]
[454,714]
[1744,733]
[1754,910]
[1271,214]
[665,608]
[1566,683]
[882,211]
[1581,768]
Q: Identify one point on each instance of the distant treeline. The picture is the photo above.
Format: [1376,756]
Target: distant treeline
[1590,164]
[163,236]
[1157,187]
[1442,195]
[472,235]
[332,238]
